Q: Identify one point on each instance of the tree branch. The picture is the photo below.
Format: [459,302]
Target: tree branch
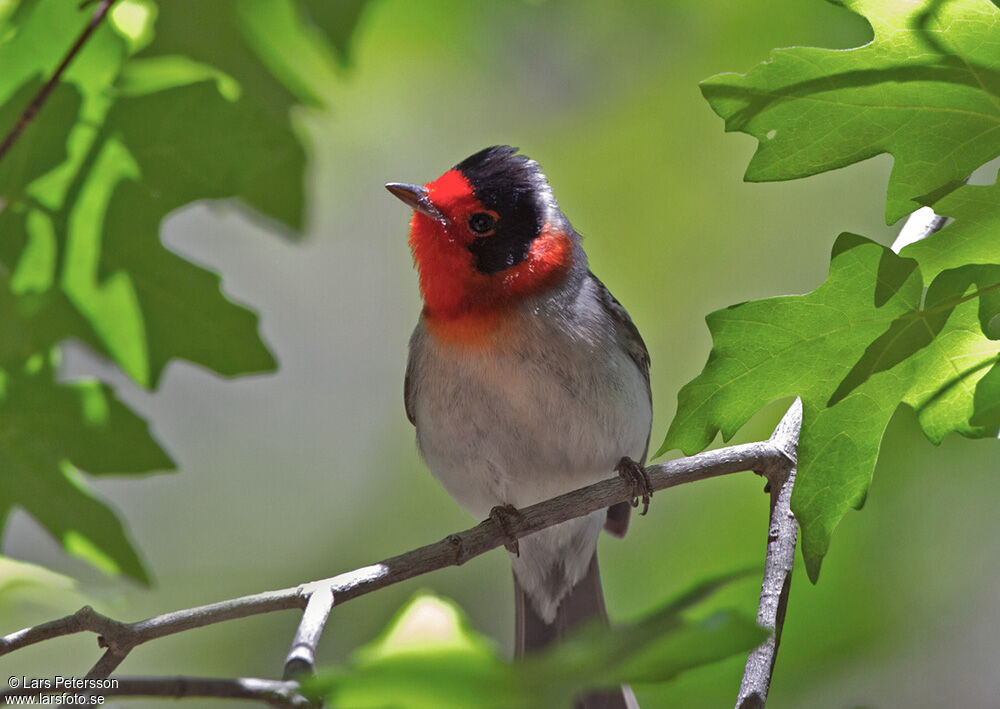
[454,550]
[781,537]
[302,656]
[774,458]
[43,93]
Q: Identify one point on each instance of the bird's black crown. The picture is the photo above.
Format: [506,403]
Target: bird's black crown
[513,186]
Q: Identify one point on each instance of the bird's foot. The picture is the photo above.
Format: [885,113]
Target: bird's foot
[641,485]
[503,515]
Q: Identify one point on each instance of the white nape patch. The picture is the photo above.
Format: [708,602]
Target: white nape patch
[544,190]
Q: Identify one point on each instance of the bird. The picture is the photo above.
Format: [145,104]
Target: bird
[525,379]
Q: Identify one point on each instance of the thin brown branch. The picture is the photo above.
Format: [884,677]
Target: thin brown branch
[43,93]
[454,550]
[108,663]
[781,537]
[774,458]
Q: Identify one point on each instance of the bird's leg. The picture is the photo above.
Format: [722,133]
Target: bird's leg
[641,486]
[502,515]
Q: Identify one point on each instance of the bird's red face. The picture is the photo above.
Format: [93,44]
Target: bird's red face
[484,235]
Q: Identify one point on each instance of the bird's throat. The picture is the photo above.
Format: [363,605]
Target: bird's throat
[474,329]
[462,304]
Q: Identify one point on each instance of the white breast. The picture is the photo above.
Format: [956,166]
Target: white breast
[551,404]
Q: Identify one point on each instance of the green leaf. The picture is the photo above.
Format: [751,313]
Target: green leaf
[925,90]
[16,575]
[987,400]
[147,76]
[215,34]
[30,588]
[184,314]
[338,20]
[203,112]
[294,50]
[916,329]
[946,374]
[41,32]
[34,316]
[794,345]
[865,341]
[49,432]
[971,239]
[429,657]
[189,142]
[655,648]
[42,144]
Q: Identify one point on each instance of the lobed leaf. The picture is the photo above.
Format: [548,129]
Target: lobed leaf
[926,89]
[865,341]
[51,432]
[972,238]
[201,112]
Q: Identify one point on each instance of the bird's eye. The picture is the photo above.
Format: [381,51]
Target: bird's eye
[482,222]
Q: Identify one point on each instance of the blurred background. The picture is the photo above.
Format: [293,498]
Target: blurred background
[313,470]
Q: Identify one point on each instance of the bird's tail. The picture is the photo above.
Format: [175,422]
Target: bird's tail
[584,603]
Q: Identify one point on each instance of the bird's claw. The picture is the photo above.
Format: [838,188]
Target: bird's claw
[639,478]
[502,515]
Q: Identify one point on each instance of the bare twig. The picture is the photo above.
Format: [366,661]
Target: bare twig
[778,563]
[108,663]
[302,657]
[454,550]
[774,458]
[274,692]
[43,93]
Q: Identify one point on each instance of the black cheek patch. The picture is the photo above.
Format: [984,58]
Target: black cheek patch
[507,184]
[500,251]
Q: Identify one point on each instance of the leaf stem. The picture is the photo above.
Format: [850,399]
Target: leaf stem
[43,94]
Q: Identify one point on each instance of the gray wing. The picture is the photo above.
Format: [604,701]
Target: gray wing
[629,333]
[412,379]
[408,390]
[631,340]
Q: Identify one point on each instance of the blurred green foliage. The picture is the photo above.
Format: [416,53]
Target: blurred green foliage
[293,476]
[430,657]
[163,106]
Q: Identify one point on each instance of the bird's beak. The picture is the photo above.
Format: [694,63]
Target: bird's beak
[417,198]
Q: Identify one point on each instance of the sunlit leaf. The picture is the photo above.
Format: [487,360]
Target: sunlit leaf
[50,433]
[925,90]
[865,341]
[204,112]
[973,238]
